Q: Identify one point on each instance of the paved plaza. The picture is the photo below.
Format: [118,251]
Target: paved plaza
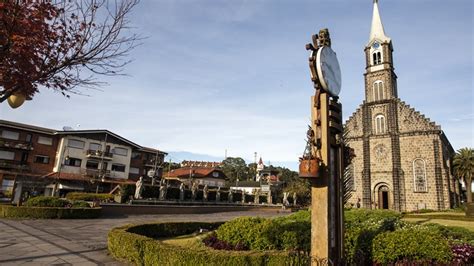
[81,242]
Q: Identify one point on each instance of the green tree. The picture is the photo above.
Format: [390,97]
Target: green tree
[464,168]
[252,170]
[235,168]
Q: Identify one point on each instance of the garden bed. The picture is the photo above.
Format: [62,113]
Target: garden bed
[172,244]
[8,211]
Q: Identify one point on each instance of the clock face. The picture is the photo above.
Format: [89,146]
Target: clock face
[328,69]
[215,174]
[376,45]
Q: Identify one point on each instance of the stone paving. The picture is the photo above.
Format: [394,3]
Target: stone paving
[81,242]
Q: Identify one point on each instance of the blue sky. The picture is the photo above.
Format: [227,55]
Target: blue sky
[216,75]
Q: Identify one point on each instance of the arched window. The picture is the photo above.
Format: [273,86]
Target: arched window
[419,175]
[379,124]
[378,91]
[377,58]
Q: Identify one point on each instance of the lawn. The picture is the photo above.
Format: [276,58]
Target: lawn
[448,218]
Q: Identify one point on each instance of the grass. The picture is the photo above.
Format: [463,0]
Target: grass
[448,218]
[186,241]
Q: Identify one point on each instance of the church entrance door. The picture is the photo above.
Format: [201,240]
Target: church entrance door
[383,197]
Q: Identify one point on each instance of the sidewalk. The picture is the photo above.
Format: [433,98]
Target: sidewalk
[80,242]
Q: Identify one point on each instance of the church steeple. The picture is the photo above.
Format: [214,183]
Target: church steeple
[377,31]
[380,78]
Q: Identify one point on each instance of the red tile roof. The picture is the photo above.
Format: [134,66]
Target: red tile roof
[195,172]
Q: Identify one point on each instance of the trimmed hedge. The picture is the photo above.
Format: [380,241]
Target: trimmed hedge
[49,212]
[413,244]
[285,233]
[44,201]
[125,243]
[89,196]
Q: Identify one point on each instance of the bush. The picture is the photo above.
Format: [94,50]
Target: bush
[361,226]
[142,250]
[80,204]
[49,212]
[89,196]
[286,233]
[413,244]
[43,201]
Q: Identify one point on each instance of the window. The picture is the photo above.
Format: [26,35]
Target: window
[42,159]
[90,164]
[134,170]
[45,140]
[28,138]
[7,155]
[121,151]
[73,162]
[378,90]
[377,58]
[10,135]
[118,167]
[74,143]
[136,155]
[379,124]
[419,175]
[95,147]
[351,177]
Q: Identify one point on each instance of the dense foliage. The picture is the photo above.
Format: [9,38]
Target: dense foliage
[463,165]
[140,246]
[44,201]
[413,244]
[89,196]
[49,44]
[285,233]
[370,236]
[49,212]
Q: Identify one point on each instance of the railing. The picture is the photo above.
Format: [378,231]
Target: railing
[16,165]
[152,162]
[99,154]
[16,144]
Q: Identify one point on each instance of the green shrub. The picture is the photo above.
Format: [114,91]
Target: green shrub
[361,226]
[413,244]
[48,212]
[453,233]
[43,201]
[286,233]
[89,196]
[80,204]
[141,250]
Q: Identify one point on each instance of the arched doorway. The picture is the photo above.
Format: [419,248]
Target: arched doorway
[383,196]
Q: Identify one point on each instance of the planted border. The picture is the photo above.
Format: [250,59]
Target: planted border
[137,244]
[49,212]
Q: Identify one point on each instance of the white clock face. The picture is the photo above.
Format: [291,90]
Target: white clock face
[329,72]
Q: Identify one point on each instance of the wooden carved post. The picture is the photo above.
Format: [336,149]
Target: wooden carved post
[325,146]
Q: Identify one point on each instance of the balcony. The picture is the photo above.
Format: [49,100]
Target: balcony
[152,162]
[96,154]
[96,173]
[16,144]
[14,165]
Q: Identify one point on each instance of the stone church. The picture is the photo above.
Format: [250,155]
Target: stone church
[403,160]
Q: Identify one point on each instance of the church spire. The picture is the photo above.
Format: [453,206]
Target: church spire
[377,31]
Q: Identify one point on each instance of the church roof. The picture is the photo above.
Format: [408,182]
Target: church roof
[377,31]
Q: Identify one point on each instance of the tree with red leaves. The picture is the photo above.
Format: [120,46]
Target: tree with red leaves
[61,45]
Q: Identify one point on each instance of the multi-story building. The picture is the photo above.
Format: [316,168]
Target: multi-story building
[403,160]
[54,162]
